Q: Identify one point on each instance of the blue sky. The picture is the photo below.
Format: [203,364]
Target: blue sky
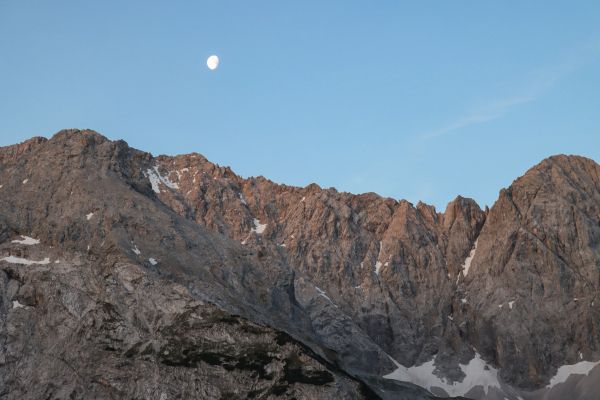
[422,100]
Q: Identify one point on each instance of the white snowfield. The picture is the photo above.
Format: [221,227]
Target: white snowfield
[156,178]
[477,371]
[28,241]
[467,264]
[258,227]
[24,261]
[580,368]
[153,261]
[16,304]
[378,264]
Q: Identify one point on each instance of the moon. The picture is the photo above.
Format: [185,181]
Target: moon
[212,62]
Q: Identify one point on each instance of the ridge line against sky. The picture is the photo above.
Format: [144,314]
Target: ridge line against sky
[402,99]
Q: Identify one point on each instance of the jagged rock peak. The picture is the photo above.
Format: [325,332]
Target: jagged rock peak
[357,279]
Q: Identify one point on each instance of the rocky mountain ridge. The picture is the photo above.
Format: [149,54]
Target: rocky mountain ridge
[363,286]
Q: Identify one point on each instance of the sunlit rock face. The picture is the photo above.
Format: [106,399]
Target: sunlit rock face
[177,274]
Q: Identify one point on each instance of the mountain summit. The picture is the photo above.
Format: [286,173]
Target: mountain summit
[124,275]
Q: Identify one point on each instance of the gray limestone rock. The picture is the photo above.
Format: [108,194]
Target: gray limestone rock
[172,277]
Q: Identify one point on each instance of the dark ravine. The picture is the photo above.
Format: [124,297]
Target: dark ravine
[173,277]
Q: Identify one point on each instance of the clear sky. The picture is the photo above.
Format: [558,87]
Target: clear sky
[422,100]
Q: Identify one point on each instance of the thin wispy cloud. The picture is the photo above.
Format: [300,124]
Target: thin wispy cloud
[545,80]
[490,112]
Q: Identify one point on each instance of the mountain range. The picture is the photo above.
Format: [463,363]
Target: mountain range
[125,275]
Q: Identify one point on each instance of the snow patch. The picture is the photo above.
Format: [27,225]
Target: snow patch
[242,199]
[477,373]
[89,216]
[467,264]
[258,227]
[510,304]
[156,178]
[464,301]
[282,245]
[24,261]
[322,293]
[180,172]
[136,250]
[16,304]
[152,261]
[378,264]
[563,373]
[303,198]
[25,181]
[28,241]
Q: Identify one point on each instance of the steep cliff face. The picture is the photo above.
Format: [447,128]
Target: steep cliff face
[111,293]
[535,277]
[81,327]
[174,266]
[389,265]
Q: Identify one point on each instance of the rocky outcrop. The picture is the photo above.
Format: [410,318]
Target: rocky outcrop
[387,264]
[536,274]
[90,203]
[80,327]
[275,291]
